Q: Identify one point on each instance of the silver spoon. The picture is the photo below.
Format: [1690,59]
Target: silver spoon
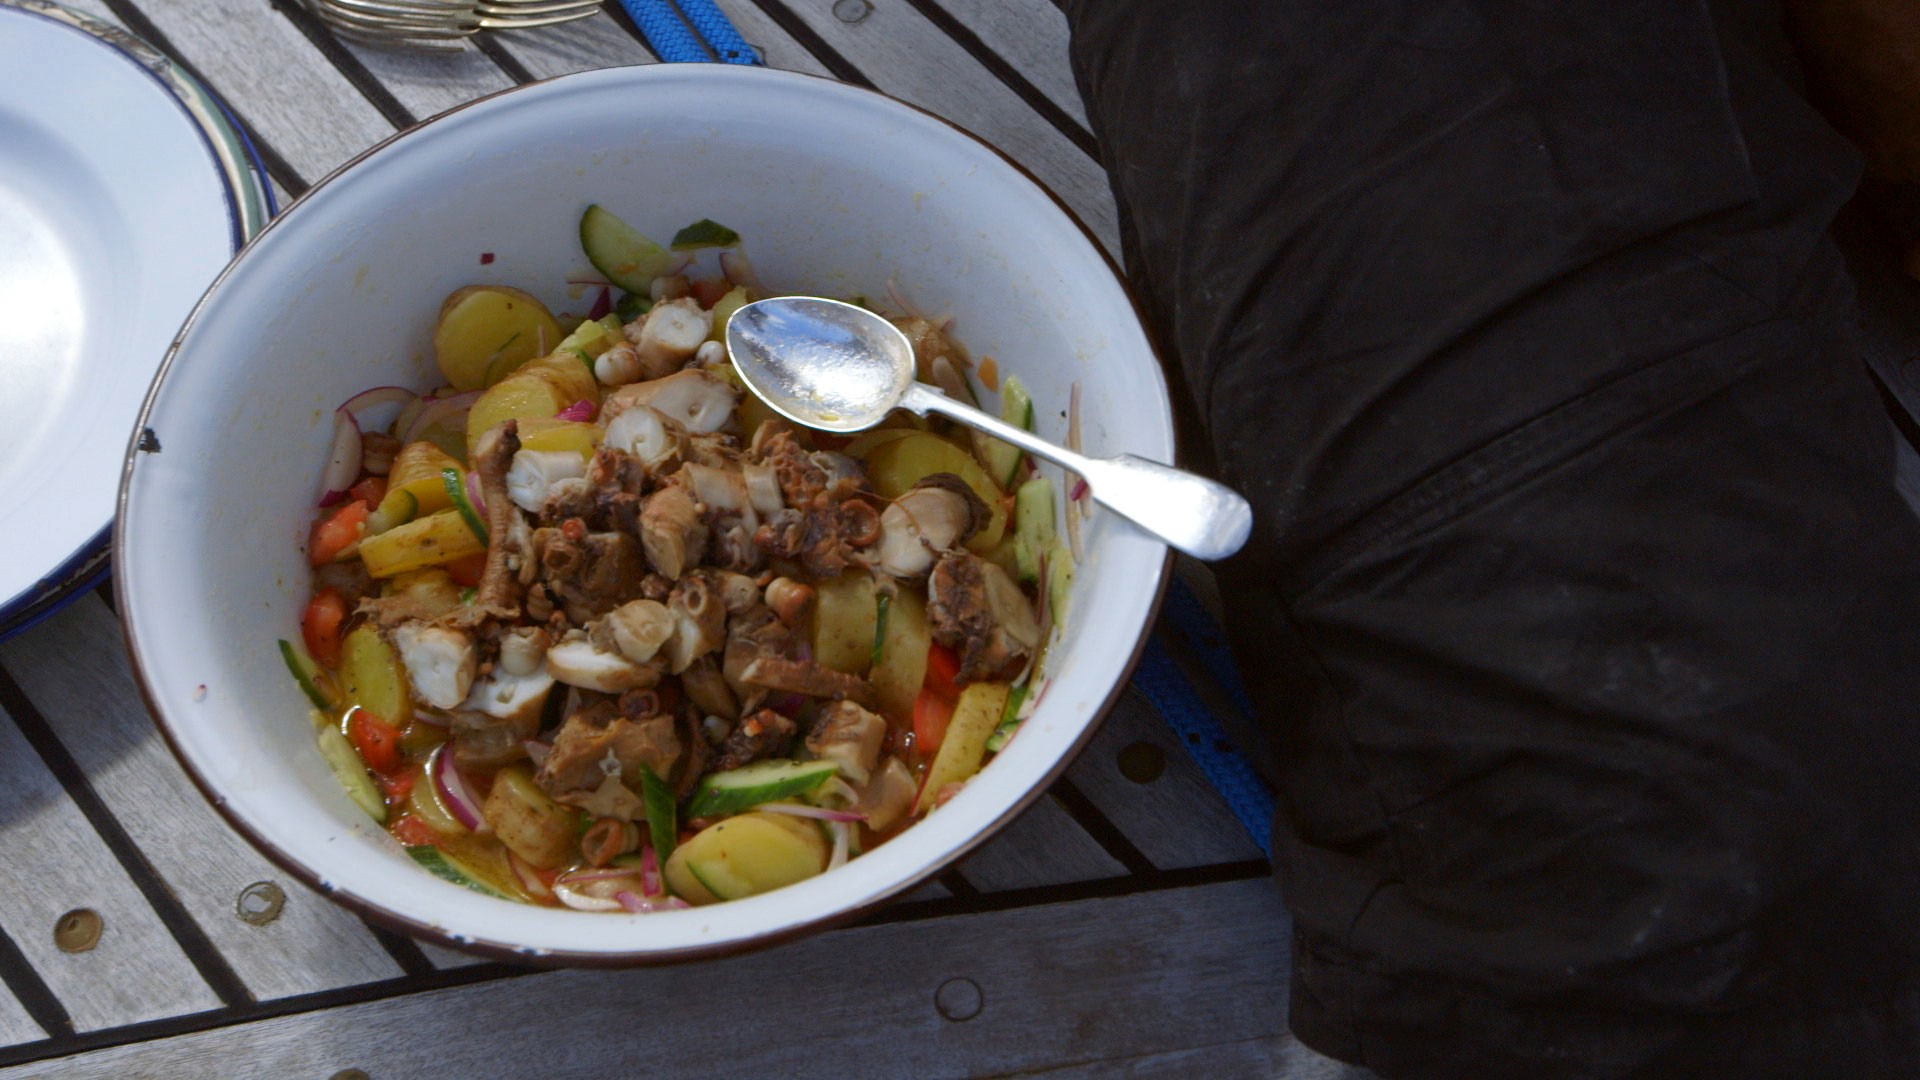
[838,367]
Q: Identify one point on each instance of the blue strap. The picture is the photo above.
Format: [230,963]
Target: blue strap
[666,32]
[1163,684]
[718,30]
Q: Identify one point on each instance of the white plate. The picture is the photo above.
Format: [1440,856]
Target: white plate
[116,211]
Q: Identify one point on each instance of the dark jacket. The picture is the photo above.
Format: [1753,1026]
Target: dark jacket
[1581,611]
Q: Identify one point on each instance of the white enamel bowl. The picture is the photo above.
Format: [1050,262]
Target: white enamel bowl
[835,189]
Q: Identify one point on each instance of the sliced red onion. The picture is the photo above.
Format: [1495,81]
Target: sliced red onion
[899,301]
[474,494]
[734,264]
[579,412]
[454,792]
[582,877]
[449,412]
[650,873]
[842,842]
[601,304]
[580,901]
[343,463]
[537,751]
[818,813]
[360,403]
[1079,489]
[529,876]
[1074,508]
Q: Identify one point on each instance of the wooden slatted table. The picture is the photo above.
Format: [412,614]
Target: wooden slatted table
[1121,927]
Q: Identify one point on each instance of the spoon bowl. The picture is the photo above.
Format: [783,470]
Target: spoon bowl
[838,367]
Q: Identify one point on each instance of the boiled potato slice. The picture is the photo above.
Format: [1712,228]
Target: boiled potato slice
[532,825]
[429,541]
[843,622]
[524,396]
[551,434]
[896,465]
[975,716]
[902,668]
[371,672]
[745,856]
[486,331]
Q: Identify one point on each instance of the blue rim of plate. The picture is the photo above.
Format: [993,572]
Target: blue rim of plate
[250,203]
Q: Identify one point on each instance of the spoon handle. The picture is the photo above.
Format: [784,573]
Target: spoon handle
[1191,513]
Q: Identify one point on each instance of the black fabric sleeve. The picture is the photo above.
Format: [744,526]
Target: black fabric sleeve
[1580,609]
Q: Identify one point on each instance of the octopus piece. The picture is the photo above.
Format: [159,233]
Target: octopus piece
[978,611]
[708,690]
[935,516]
[589,574]
[604,739]
[652,439]
[501,712]
[763,488]
[440,662]
[577,661]
[822,538]
[888,795]
[764,734]
[695,400]
[800,480]
[671,531]
[850,737]
[498,593]
[790,600]
[669,336]
[755,634]
[807,678]
[721,491]
[638,628]
[699,621]
[534,472]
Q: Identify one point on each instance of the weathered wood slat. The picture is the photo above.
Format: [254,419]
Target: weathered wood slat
[430,83]
[1031,37]
[1279,1055]
[776,46]
[910,58]
[576,46]
[56,863]
[1176,819]
[74,669]
[1043,846]
[16,1026]
[443,958]
[258,61]
[1040,987]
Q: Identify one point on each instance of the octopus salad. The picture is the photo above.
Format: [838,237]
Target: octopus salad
[590,626]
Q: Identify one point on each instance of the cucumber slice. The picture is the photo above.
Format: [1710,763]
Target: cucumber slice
[439,865]
[630,307]
[761,782]
[1002,460]
[1009,719]
[618,251]
[1059,578]
[661,826]
[457,491]
[1033,532]
[882,603]
[397,508]
[350,771]
[306,674]
[705,233]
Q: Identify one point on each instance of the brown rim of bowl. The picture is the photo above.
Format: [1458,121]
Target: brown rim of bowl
[564,958]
